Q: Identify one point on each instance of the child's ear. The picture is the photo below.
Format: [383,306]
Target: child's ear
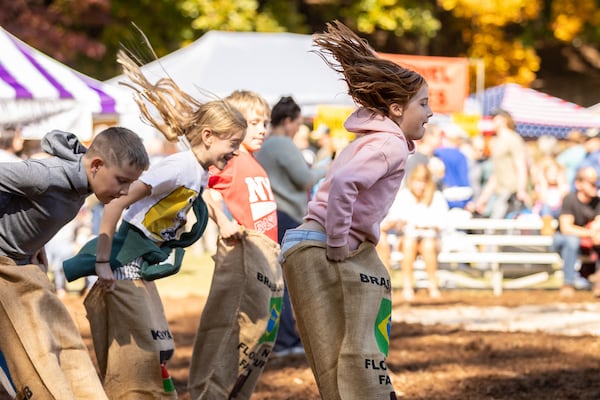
[96,164]
[395,110]
[207,136]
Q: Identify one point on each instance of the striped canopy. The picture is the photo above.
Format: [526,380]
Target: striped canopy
[536,113]
[35,87]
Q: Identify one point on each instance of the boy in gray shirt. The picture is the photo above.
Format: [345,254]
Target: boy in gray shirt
[44,351]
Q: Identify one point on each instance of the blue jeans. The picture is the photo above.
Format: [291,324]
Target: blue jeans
[568,247]
[295,236]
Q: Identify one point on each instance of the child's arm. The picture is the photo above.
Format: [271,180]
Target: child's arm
[110,217]
[228,229]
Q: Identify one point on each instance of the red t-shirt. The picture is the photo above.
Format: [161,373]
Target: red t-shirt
[247,194]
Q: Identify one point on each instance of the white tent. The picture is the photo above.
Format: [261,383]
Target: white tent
[271,64]
[41,94]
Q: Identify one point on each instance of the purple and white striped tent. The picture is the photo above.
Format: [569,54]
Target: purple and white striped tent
[41,94]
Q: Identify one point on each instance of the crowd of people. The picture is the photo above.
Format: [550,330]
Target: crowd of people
[299,231]
[499,174]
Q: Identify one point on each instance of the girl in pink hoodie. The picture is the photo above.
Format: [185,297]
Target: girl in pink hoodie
[339,288]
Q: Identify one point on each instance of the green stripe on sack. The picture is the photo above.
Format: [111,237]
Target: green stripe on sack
[383,325]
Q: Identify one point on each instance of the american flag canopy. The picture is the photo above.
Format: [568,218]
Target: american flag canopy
[536,113]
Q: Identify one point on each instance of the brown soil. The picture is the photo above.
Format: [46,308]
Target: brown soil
[429,362]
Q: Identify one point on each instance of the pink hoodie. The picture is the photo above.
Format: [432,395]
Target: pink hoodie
[362,181]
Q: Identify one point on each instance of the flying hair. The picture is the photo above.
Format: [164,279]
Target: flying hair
[373,82]
[179,114]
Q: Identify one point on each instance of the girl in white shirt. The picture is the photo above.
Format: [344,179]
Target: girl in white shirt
[418,212]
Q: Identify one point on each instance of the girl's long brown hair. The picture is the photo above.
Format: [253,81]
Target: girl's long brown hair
[373,82]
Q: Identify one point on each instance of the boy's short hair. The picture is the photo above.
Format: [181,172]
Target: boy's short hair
[120,146]
[246,100]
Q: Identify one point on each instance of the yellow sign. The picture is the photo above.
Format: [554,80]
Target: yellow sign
[334,117]
[469,122]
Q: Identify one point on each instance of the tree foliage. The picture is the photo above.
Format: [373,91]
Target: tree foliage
[226,15]
[62,29]
[414,19]
[506,34]
[493,31]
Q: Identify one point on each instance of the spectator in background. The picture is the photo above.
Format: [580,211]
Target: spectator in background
[302,141]
[58,249]
[550,188]
[572,155]
[417,216]
[322,136]
[480,165]
[592,148]
[455,184]
[506,189]
[291,179]
[11,143]
[578,222]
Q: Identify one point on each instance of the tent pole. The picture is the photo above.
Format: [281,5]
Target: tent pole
[479,80]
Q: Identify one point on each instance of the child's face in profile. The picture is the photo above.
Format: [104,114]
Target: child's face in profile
[257,129]
[220,150]
[415,115]
[109,182]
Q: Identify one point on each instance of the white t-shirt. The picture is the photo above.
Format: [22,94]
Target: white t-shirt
[176,182]
[421,219]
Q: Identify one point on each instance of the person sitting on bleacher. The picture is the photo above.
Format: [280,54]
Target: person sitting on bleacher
[417,216]
[578,223]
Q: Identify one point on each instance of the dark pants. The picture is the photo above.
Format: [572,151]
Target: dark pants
[287,335]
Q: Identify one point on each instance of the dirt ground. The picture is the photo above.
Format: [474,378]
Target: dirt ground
[429,362]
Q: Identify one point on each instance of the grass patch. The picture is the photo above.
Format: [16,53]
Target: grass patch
[194,278]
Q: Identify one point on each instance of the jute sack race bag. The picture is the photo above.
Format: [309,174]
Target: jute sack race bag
[129,328]
[45,354]
[239,322]
[343,311]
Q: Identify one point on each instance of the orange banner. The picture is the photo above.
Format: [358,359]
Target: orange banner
[447,78]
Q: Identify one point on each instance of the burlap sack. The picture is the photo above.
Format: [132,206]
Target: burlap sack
[343,312]
[131,339]
[44,351]
[239,322]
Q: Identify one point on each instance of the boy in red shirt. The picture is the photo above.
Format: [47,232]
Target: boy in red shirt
[239,323]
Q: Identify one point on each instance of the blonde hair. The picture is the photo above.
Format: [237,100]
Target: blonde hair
[373,82]
[180,114]
[246,101]
[422,172]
